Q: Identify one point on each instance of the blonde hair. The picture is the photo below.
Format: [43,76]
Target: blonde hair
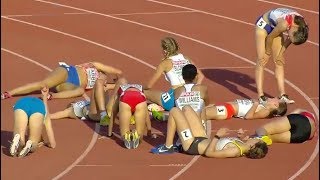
[170,45]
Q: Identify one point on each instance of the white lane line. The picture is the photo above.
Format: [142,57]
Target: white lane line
[227,67]
[314,98]
[294,7]
[93,165]
[83,155]
[212,14]
[85,13]
[167,165]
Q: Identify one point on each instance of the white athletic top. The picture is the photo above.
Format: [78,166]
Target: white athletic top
[222,142]
[191,98]
[174,76]
[78,108]
[283,13]
[244,105]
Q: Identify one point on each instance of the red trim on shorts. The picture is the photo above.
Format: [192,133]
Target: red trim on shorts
[310,116]
[230,110]
[132,98]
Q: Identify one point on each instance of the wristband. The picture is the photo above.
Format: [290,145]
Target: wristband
[216,136]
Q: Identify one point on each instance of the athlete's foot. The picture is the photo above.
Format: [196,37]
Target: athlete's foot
[5,95]
[15,145]
[285,98]
[26,149]
[127,140]
[263,99]
[105,121]
[163,149]
[135,139]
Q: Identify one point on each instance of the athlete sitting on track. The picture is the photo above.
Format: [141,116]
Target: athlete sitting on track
[129,100]
[69,81]
[246,109]
[195,141]
[297,127]
[270,29]
[31,112]
[171,66]
[89,109]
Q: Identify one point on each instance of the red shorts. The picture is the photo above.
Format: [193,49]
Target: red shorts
[132,98]
[229,108]
[310,116]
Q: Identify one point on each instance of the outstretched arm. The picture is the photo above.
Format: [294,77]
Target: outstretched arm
[107,69]
[48,126]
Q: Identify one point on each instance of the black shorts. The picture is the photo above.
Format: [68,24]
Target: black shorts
[193,149]
[300,128]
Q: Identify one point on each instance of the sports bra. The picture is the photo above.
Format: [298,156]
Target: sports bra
[191,98]
[222,142]
[174,76]
[244,105]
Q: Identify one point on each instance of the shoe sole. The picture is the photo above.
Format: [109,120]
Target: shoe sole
[135,139]
[15,145]
[26,149]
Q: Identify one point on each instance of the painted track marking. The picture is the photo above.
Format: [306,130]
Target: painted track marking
[315,152]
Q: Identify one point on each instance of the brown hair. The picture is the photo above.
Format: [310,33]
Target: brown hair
[280,111]
[259,151]
[301,35]
[170,45]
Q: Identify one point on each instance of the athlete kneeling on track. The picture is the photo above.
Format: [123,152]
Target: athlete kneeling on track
[195,141]
[31,112]
[129,100]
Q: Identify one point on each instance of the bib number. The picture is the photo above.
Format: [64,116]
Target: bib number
[165,97]
[261,23]
[221,110]
[186,134]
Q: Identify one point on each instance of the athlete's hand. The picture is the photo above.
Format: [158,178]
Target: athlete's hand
[222,132]
[45,91]
[264,60]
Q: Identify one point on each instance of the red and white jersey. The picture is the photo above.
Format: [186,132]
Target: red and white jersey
[174,76]
[282,13]
[124,87]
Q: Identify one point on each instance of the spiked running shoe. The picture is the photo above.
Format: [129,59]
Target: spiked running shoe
[15,145]
[135,139]
[26,149]
[127,140]
[163,149]
[105,120]
[285,98]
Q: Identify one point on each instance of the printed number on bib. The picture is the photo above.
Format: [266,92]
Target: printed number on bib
[221,110]
[261,23]
[166,97]
[186,134]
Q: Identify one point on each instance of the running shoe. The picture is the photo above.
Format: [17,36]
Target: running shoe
[26,149]
[105,120]
[15,145]
[285,98]
[163,149]
[263,99]
[265,139]
[5,95]
[127,140]
[135,139]
[158,115]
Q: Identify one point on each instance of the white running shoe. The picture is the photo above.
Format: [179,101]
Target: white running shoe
[26,149]
[285,98]
[15,145]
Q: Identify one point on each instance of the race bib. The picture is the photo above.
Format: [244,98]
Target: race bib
[221,110]
[261,23]
[165,97]
[186,134]
[190,98]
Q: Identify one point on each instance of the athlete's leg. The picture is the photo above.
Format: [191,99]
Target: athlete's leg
[260,35]
[281,137]
[20,125]
[35,129]
[56,77]
[279,63]
[154,96]
[124,118]
[140,118]
[67,113]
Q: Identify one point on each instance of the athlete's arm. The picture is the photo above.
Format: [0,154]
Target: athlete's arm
[107,69]
[280,28]
[159,71]
[48,126]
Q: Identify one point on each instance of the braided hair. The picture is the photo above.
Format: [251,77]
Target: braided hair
[169,45]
